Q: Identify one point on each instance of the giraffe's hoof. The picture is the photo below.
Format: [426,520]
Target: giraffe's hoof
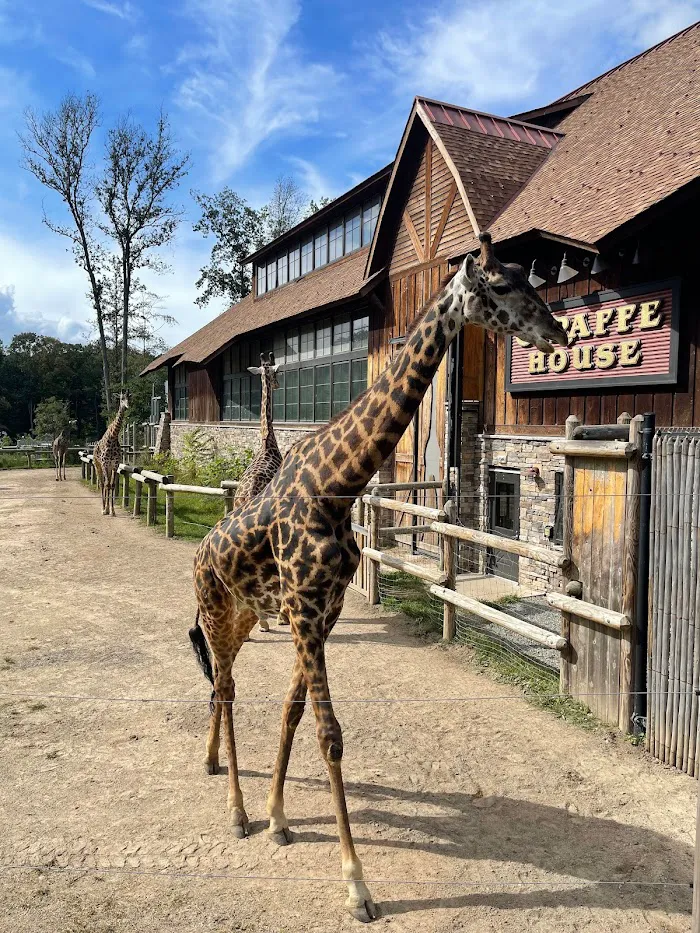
[212,767]
[241,828]
[366,912]
[283,837]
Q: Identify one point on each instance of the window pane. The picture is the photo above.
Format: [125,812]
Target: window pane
[282,270]
[341,336]
[253,354]
[323,338]
[280,345]
[359,378]
[360,333]
[307,342]
[292,395]
[261,280]
[294,263]
[370,214]
[352,231]
[321,249]
[341,387]
[335,245]
[271,274]
[266,343]
[307,256]
[322,393]
[306,394]
[278,399]
[245,398]
[235,414]
[292,352]
[255,396]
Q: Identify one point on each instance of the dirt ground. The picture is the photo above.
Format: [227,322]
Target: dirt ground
[488,791]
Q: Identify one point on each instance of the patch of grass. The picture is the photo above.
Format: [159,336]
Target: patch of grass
[36,707]
[52,755]
[405,593]
[9,660]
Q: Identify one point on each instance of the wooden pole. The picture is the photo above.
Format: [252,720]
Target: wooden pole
[448,551]
[125,491]
[696,874]
[228,500]
[372,567]
[629,572]
[694,675]
[569,573]
[138,491]
[169,513]
[152,502]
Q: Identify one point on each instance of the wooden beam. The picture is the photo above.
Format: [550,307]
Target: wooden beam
[577,607]
[415,239]
[408,508]
[428,193]
[489,614]
[521,548]
[451,195]
[199,490]
[415,570]
[593,449]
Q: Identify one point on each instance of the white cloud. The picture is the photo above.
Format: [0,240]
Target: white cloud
[76,60]
[124,10]
[137,46]
[314,183]
[496,54]
[246,78]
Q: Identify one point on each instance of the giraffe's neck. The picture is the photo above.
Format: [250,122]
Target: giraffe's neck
[115,427]
[359,441]
[266,429]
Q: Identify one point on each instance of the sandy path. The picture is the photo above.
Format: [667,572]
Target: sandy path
[482,791]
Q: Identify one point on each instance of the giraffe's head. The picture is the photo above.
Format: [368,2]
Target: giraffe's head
[502,300]
[124,398]
[267,370]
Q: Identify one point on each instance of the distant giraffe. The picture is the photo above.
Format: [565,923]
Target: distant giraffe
[267,461]
[60,449]
[292,547]
[107,456]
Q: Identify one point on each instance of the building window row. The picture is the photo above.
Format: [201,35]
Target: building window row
[323,367]
[327,244]
[180,401]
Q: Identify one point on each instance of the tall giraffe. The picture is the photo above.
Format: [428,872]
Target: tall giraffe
[292,547]
[59,448]
[107,455]
[268,459]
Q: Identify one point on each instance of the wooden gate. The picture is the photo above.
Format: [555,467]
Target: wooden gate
[601,534]
[674,641]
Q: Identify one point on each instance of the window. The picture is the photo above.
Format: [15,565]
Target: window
[282,270]
[370,213]
[271,275]
[180,402]
[294,263]
[352,231]
[323,367]
[321,249]
[335,241]
[558,534]
[307,257]
[261,281]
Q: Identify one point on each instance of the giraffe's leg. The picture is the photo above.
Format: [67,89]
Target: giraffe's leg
[211,762]
[311,651]
[63,461]
[57,465]
[294,706]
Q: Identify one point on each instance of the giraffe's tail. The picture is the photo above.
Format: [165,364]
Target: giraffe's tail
[201,649]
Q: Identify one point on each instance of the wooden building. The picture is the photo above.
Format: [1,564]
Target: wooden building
[599,190]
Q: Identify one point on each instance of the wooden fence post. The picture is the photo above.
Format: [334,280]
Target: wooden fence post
[696,874]
[572,422]
[372,566]
[125,490]
[629,570]
[228,501]
[169,513]
[152,502]
[138,491]
[448,552]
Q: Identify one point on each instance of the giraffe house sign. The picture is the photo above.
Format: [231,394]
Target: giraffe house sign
[622,338]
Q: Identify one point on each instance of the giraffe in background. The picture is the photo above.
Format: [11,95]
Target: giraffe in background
[292,547]
[59,448]
[107,455]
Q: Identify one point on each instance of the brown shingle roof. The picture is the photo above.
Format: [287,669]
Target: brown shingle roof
[335,282]
[634,142]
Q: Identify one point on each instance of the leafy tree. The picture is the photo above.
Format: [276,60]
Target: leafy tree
[50,417]
[238,230]
[315,206]
[141,172]
[285,208]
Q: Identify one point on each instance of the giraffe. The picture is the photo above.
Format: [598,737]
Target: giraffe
[59,449]
[107,455]
[292,547]
[267,461]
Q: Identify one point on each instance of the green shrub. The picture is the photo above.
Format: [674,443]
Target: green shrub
[202,463]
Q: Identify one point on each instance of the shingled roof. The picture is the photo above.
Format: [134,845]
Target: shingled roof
[633,142]
[333,283]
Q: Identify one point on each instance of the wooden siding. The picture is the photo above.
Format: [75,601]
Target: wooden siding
[203,392]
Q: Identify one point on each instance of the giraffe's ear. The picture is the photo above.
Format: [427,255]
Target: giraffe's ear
[470,267]
[255,370]
[275,368]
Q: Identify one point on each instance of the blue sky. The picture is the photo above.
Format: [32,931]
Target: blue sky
[255,88]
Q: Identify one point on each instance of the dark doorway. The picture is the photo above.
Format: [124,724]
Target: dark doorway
[504,520]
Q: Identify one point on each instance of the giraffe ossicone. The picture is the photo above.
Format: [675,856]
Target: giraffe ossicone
[291,547]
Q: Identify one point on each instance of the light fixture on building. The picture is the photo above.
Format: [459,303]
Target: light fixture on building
[599,265]
[533,278]
[566,272]
[635,259]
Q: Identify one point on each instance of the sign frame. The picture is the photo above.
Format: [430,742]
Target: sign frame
[607,382]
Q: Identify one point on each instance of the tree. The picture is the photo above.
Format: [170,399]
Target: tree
[238,230]
[55,147]
[315,206]
[141,172]
[285,208]
[51,417]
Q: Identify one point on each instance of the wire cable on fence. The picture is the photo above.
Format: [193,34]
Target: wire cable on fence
[394,882]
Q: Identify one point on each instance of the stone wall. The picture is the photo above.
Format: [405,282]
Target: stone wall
[483,452]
